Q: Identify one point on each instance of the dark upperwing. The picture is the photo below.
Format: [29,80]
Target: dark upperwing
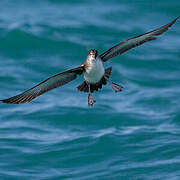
[52,82]
[135,41]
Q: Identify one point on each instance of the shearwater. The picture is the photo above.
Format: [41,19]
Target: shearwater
[94,73]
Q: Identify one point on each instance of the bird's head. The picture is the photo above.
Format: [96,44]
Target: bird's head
[93,54]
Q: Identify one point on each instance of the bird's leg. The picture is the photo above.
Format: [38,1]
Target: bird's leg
[114,86]
[91,99]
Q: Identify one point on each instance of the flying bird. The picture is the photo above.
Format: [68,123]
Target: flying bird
[95,76]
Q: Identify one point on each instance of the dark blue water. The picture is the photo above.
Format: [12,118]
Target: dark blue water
[134,134]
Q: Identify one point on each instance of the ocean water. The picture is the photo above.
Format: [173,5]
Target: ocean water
[131,135]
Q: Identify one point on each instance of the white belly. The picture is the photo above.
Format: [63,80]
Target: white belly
[95,72]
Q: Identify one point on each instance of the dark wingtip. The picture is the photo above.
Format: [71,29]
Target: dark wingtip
[10,101]
[176,19]
[4,101]
[172,22]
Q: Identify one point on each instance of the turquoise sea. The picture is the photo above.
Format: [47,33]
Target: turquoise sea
[131,135]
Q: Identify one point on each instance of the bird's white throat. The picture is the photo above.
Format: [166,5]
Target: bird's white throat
[94,71]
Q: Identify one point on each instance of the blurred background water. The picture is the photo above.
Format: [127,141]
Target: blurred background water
[134,134]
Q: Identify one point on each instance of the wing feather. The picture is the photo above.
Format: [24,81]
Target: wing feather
[135,41]
[52,82]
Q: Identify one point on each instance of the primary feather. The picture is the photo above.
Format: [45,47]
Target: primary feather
[52,82]
[135,41]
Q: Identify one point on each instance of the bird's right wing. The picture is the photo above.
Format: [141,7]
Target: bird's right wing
[52,82]
[135,41]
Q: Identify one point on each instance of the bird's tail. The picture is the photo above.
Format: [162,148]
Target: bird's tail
[83,87]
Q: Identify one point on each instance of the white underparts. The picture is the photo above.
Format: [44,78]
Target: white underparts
[94,72]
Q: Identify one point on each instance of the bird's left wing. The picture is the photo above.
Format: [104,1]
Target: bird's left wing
[52,82]
[135,41]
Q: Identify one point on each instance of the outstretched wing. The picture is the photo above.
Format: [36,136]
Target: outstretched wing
[52,82]
[135,41]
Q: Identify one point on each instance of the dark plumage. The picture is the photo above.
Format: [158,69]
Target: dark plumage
[52,82]
[135,41]
[94,73]
[95,87]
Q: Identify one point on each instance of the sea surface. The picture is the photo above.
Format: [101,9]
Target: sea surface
[131,135]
